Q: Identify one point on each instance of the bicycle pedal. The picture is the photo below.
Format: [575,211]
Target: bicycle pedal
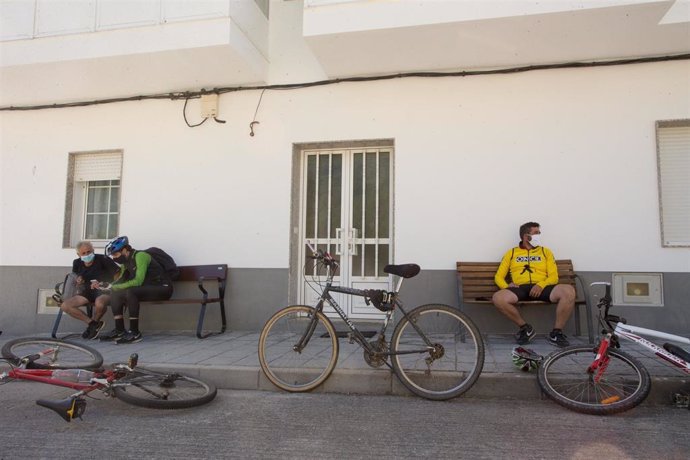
[350,338]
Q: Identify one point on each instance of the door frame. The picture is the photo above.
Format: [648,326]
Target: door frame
[295,271]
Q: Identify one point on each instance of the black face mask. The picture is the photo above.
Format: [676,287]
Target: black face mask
[120,260]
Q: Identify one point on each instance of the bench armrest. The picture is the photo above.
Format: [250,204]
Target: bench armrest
[204,292]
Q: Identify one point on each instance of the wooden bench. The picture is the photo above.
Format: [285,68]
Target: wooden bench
[196,273]
[476,286]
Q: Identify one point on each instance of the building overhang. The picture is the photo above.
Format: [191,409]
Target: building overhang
[357,38]
[114,63]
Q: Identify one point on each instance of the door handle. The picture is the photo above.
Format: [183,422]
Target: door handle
[352,243]
[338,240]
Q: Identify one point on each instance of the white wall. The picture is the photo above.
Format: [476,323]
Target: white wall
[475,157]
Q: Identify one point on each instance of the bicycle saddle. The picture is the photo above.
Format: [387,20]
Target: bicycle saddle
[404,270]
[68,408]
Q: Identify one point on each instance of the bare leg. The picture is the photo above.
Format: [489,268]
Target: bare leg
[563,295]
[71,307]
[505,301]
[100,306]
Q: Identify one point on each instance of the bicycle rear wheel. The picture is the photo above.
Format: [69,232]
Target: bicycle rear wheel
[64,355]
[622,385]
[452,366]
[159,390]
[289,368]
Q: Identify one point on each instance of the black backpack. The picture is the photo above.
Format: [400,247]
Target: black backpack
[165,261]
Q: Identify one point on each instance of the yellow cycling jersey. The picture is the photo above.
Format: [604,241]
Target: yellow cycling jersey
[533,266]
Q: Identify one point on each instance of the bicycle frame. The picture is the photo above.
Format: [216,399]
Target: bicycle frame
[46,376]
[630,333]
[357,335]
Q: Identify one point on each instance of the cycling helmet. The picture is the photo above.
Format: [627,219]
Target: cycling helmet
[116,245]
[525,359]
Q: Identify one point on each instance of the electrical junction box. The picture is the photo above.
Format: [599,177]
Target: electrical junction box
[209,105]
[638,289]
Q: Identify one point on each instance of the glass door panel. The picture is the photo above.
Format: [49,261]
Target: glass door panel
[346,211]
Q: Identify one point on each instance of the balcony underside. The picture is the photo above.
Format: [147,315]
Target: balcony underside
[634,30]
[129,62]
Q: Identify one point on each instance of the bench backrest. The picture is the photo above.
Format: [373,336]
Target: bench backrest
[194,272]
[477,278]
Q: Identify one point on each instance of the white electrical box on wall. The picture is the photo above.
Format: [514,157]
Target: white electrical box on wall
[209,105]
[638,289]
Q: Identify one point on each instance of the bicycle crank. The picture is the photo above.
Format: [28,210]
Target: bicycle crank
[378,358]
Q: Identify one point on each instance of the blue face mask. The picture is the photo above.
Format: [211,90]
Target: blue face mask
[88,258]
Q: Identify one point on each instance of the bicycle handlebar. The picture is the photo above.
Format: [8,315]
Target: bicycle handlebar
[326,257]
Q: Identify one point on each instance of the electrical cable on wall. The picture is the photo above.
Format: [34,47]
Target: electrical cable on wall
[184,115]
[254,122]
[292,86]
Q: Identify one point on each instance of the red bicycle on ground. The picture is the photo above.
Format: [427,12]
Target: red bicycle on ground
[76,366]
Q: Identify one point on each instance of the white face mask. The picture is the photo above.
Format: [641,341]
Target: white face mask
[535,240]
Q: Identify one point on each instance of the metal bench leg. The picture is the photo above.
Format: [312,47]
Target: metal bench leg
[56,325]
[590,326]
[588,308]
[578,330]
[224,322]
[200,323]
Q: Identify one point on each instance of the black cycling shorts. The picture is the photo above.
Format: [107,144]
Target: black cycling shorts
[522,292]
[90,294]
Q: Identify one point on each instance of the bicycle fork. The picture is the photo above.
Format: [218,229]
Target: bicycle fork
[309,331]
[599,365]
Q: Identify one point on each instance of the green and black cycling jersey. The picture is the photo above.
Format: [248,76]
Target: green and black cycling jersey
[141,270]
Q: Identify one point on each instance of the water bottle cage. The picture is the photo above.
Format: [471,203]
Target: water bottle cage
[381,299]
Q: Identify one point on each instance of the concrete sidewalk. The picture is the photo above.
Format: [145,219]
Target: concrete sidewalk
[230,361]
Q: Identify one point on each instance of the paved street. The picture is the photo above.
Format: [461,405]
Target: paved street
[252,424]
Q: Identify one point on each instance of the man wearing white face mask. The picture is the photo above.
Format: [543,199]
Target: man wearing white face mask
[533,276]
[88,267]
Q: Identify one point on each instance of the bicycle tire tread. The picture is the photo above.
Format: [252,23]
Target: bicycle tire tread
[633,400]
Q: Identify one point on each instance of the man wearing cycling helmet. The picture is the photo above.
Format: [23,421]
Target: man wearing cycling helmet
[141,279]
[533,276]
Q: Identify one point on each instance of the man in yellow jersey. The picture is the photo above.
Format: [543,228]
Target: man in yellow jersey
[533,276]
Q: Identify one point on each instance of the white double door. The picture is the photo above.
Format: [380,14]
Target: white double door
[346,209]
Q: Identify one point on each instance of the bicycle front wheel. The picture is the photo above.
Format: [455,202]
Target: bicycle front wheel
[437,352]
[289,366]
[620,386]
[56,354]
[159,390]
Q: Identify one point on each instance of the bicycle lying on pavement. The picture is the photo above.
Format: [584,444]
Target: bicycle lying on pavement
[75,366]
[604,380]
[435,350]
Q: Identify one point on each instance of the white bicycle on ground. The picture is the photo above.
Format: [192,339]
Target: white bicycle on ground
[602,379]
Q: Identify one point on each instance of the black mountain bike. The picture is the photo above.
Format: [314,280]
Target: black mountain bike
[435,350]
